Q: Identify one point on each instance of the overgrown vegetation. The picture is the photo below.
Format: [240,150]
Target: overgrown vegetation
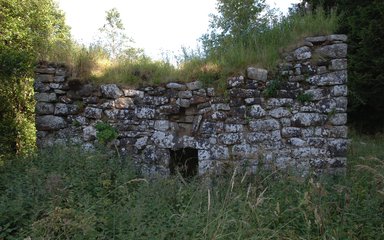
[361,21]
[65,193]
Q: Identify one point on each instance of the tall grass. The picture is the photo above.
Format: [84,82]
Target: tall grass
[69,194]
[264,49]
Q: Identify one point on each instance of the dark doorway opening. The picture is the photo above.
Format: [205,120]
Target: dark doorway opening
[185,161]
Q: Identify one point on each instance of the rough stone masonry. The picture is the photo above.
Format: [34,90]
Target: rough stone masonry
[293,119]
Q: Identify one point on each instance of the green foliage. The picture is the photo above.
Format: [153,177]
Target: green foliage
[272,88]
[30,30]
[304,97]
[63,193]
[361,21]
[105,132]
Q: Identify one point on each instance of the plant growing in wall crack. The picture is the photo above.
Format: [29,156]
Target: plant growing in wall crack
[105,133]
[305,97]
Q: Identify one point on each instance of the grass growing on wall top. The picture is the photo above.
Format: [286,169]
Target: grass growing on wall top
[259,49]
[64,193]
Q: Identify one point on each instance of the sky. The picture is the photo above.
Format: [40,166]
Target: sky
[158,26]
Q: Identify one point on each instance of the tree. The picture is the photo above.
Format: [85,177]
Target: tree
[30,30]
[362,21]
[235,22]
[114,39]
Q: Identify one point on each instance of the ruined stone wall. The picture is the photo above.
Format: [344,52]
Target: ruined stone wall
[295,118]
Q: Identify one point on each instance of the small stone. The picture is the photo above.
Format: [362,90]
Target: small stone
[302,53]
[257,111]
[308,119]
[194,85]
[45,78]
[317,39]
[210,92]
[176,86]
[234,128]
[61,109]
[145,112]
[141,142]
[235,81]
[338,64]
[162,125]
[111,91]
[94,113]
[45,97]
[162,139]
[44,108]
[338,148]
[89,133]
[185,94]
[338,50]
[264,125]
[333,78]
[185,103]
[133,93]
[280,113]
[124,103]
[291,132]
[257,74]
[297,142]
[49,123]
[230,138]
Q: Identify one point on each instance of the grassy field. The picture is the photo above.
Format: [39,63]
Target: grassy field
[68,194]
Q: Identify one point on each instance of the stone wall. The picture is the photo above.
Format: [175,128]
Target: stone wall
[295,118]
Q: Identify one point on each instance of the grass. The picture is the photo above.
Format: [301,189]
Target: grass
[261,49]
[69,194]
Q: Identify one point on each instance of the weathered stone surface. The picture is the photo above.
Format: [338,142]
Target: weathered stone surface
[145,112]
[111,91]
[111,114]
[185,103]
[89,133]
[338,148]
[257,111]
[290,132]
[339,91]
[194,85]
[236,81]
[230,138]
[327,105]
[316,94]
[162,125]
[94,113]
[43,108]
[234,128]
[45,78]
[141,142]
[297,142]
[302,53]
[338,119]
[185,94]
[210,92]
[308,119]
[61,109]
[163,139]
[45,97]
[338,64]
[279,102]
[133,93]
[124,103]
[215,153]
[280,112]
[176,86]
[257,74]
[264,125]
[49,123]
[333,78]
[333,51]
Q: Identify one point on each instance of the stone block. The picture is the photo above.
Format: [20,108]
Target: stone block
[279,112]
[45,97]
[257,74]
[291,132]
[111,91]
[43,108]
[230,138]
[328,79]
[338,50]
[50,123]
[302,53]
[264,125]
[308,119]
[145,112]
[93,113]
[89,133]
[194,85]
[185,94]
[338,64]
[61,109]
[339,91]
[124,103]
[235,81]
[256,111]
[177,86]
